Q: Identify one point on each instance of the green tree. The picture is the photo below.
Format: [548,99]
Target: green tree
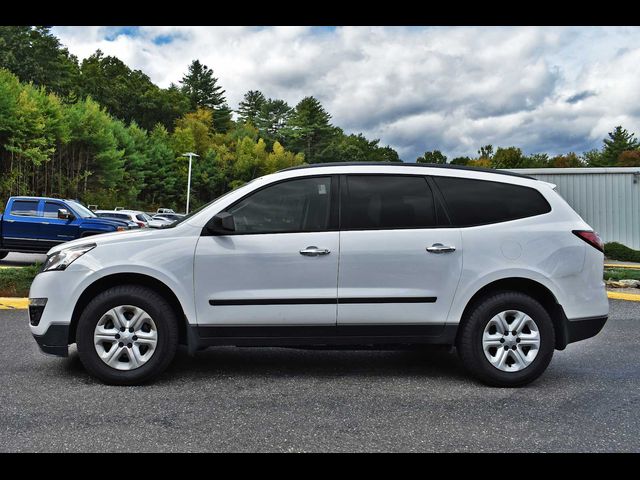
[308,129]
[272,118]
[620,140]
[460,161]
[436,156]
[251,106]
[486,152]
[35,55]
[203,91]
[510,157]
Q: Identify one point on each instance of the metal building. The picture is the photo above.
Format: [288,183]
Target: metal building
[608,199]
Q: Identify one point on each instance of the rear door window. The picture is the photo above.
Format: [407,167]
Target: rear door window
[379,202]
[25,208]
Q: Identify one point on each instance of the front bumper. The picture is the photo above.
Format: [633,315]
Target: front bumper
[55,341]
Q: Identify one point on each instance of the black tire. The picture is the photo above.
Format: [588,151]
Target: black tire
[469,342]
[3,255]
[158,309]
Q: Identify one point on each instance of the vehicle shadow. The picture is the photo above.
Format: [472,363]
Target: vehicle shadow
[217,362]
[289,362]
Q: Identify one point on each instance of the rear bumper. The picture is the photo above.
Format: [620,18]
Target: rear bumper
[583,328]
[55,341]
[578,329]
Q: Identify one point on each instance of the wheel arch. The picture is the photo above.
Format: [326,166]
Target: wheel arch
[116,279]
[532,288]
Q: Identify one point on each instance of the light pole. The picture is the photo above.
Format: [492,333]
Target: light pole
[190,155]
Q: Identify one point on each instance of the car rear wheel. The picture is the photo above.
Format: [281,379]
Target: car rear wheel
[507,340]
[127,335]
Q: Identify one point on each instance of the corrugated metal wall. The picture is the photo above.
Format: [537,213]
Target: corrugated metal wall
[608,199]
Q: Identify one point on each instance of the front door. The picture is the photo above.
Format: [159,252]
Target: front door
[398,265]
[280,265]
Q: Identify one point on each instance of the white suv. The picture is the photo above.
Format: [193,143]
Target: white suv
[494,263]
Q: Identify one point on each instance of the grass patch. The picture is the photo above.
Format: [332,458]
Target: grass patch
[618,251]
[15,282]
[621,274]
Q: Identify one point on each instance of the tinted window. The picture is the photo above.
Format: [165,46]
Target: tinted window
[143,217]
[387,201]
[25,208]
[294,206]
[114,215]
[478,202]
[51,209]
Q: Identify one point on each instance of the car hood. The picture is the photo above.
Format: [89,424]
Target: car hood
[118,237]
[105,221]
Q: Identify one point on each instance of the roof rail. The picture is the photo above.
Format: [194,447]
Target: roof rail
[406,164]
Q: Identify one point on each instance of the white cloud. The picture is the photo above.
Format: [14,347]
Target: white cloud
[541,88]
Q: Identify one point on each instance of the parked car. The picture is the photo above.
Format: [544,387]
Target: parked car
[162,220]
[140,218]
[35,224]
[165,210]
[494,263]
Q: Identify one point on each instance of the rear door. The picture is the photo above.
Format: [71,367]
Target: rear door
[399,261]
[21,227]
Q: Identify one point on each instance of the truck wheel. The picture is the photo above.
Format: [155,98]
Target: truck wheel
[127,335]
[3,255]
[507,340]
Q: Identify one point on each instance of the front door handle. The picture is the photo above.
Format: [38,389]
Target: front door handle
[314,251]
[440,248]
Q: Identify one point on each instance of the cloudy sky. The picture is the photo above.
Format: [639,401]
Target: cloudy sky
[544,89]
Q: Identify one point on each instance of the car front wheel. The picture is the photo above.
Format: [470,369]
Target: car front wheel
[127,335]
[507,340]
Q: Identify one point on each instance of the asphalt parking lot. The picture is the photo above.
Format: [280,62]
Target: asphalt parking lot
[245,399]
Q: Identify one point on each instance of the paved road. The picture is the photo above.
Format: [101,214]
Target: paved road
[233,399]
[21,259]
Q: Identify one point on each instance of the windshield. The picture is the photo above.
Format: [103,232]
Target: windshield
[192,213]
[81,210]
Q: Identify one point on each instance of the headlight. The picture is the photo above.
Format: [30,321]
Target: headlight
[65,257]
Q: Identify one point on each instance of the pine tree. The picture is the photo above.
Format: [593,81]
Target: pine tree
[250,107]
[308,129]
[619,141]
[272,118]
[201,87]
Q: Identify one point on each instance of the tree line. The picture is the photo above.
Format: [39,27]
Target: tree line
[103,133]
[619,149]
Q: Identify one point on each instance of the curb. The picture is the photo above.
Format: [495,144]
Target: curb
[13,303]
[621,265]
[632,297]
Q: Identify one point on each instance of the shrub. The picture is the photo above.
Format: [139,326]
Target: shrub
[618,251]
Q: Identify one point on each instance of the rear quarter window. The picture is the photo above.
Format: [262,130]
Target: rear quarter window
[480,202]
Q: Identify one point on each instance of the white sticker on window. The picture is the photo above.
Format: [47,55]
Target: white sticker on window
[322,189]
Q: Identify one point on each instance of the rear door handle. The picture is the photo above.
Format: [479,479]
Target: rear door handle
[440,248]
[314,251]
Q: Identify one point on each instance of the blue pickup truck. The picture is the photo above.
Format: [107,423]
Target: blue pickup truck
[35,224]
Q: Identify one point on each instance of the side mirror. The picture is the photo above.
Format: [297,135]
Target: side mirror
[64,214]
[221,224]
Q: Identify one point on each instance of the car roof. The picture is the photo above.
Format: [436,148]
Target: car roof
[406,164]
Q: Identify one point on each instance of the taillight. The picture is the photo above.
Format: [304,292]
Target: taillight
[141,224]
[120,229]
[592,238]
